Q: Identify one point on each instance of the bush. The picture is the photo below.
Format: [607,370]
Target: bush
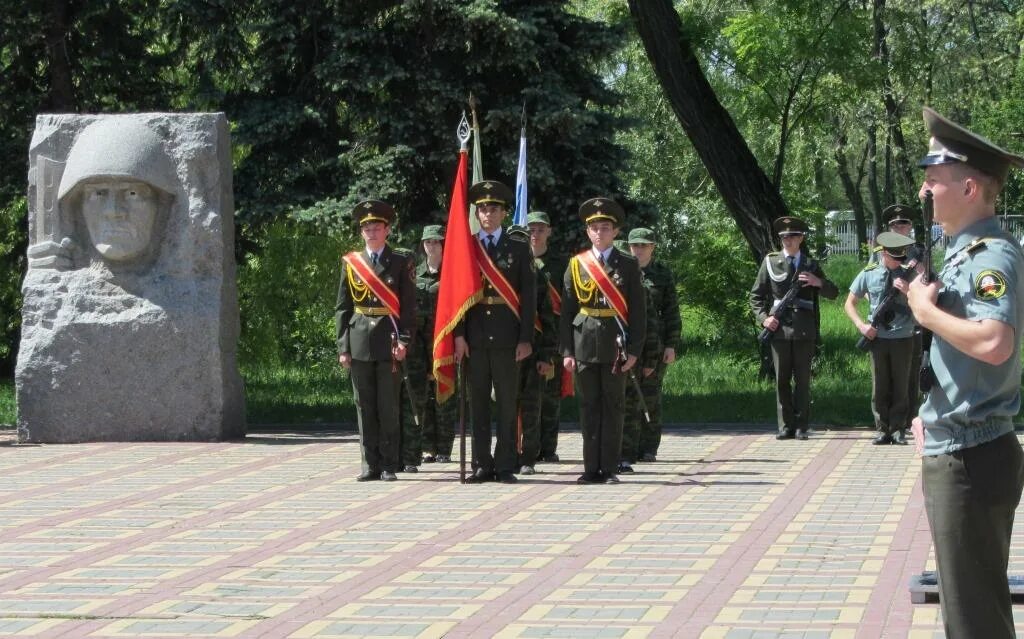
[13,243]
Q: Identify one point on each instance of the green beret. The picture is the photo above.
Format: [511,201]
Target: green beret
[373,211]
[952,143]
[602,208]
[491,192]
[641,236]
[432,232]
[538,217]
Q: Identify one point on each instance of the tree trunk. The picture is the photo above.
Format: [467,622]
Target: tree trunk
[62,88]
[876,198]
[749,195]
[851,188]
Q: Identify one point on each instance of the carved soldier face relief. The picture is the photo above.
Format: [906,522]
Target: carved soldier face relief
[120,216]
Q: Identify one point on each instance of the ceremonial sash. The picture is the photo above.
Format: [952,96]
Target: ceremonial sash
[496,278]
[556,299]
[357,262]
[611,292]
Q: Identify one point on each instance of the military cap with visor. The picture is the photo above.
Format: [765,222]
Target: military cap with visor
[895,244]
[897,214]
[952,144]
[432,232]
[491,192]
[641,236]
[790,225]
[538,217]
[520,231]
[597,209]
[373,211]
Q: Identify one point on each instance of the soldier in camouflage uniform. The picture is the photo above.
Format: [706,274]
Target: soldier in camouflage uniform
[535,369]
[553,390]
[438,421]
[633,416]
[661,283]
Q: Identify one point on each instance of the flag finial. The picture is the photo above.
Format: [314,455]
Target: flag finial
[463,132]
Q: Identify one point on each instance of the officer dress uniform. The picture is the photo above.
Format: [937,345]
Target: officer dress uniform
[794,342]
[492,330]
[364,329]
[892,349]
[973,467]
[589,328]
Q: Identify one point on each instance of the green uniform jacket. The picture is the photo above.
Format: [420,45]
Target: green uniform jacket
[368,337]
[658,279]
[545,343]
[495,325]
[592,339]
[773,280]
[427,285]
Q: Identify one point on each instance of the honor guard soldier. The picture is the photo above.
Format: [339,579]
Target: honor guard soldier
[900,219]
[973,468]
[558,383]
[534,369]
[375,319]
[890,339]
[497,333]
[641,437]
[603,327]
[438,420]
[794,328]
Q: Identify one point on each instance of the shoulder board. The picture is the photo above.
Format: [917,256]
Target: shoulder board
[772,253]
[877,249]
[630,257]
[871,267]
[976,245]
[404,252]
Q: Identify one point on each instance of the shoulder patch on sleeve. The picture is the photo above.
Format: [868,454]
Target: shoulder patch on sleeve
[989,285]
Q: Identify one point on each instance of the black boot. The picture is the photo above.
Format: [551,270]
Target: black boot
[882,439]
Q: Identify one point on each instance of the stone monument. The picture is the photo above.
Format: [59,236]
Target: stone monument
[130,318]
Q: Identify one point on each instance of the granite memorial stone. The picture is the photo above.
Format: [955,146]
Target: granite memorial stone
[130,318]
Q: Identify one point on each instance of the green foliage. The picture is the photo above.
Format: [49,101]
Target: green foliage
[8,410]
[287,289]
[13,240]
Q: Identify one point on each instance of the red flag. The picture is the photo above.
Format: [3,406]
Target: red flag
[460,286]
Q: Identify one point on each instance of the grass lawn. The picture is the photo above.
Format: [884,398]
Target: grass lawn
[714,383]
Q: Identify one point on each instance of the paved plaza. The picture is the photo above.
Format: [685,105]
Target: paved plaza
[731,535]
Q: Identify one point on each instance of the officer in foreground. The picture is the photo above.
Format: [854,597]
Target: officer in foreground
[375,320]
[973,467]
[890,338]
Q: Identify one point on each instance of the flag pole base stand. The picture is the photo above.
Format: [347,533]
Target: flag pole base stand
[924,588]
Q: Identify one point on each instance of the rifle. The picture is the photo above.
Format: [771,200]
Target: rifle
[926,377]
[620,359]
[399,367]
[779,310]
[888,301]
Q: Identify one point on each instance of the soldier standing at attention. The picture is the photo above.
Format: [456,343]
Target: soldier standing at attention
[437,421]
[898,218]
[551,395]
[535,368]
[641,438]
[375,320]
[892,343]
[603,326]
[795,335]
[497,333]
[973,468]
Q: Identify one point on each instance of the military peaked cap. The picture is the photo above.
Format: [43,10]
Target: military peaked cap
[373,211]
[790,224]
[491,192]
[602,208]
[952,143]
[894,244]
[897,213]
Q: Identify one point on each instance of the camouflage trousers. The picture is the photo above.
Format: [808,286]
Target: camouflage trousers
[550,411]
[439,423]
[530,386]
[638,436]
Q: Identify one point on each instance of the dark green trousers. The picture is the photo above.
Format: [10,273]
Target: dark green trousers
[638,435]
[890,383]
[412,435]
[375,391]
[792,358]
[497,367]
[602,396]
[439,422]
[531,385]
[550,411]
[970,498]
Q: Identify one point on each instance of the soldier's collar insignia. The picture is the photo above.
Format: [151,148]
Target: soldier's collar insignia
[989,285]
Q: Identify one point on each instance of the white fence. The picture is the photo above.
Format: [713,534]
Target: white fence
[842,233]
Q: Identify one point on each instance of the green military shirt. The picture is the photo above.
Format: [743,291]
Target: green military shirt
[973,402]
[873,282]
[660,282]
[427,284]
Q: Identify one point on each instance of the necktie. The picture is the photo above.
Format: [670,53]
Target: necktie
[490,245]
[373,259]
[791,260]
[600,258]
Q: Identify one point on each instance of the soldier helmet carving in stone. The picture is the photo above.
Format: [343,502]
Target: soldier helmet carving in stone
[119,171]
